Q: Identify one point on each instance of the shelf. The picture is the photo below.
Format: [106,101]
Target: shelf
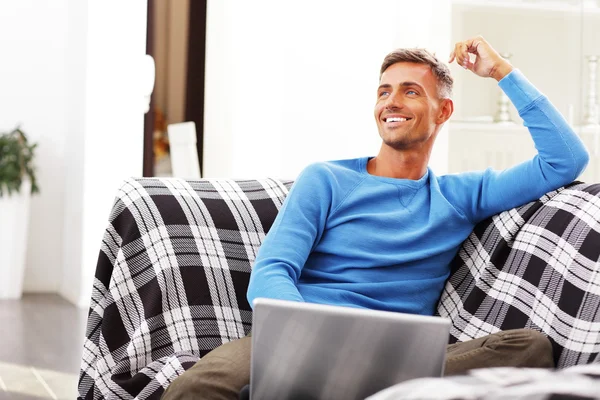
[485,126]
[509,127]
[565,7]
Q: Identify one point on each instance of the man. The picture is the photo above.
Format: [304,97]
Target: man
[380,232]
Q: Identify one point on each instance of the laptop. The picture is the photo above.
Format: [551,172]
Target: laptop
[313,351]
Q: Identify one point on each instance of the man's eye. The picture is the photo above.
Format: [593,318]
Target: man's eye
[384,94]
[411,92]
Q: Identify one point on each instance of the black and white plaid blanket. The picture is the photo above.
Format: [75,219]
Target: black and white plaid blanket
[174,266]
[537,267]
[171,280]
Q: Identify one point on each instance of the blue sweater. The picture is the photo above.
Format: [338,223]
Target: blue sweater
[345,237]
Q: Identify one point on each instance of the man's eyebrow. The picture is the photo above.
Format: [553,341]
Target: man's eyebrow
[384,86]
[402,84]
[405,84]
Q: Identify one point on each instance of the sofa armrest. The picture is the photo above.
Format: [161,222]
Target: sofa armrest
[171,279]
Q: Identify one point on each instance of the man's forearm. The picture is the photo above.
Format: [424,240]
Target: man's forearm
[555,140]
[561,154]
[272,281]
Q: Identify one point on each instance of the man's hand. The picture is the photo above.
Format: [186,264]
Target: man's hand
[487,60]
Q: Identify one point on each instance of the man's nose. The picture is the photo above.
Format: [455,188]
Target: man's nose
[394,101]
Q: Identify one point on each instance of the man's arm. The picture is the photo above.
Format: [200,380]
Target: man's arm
[296,230]
[561,154]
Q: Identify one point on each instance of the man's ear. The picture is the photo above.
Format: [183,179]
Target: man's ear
[446,110]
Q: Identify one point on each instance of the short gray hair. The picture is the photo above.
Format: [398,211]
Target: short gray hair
[422,56]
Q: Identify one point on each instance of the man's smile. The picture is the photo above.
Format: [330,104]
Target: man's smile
[395,120]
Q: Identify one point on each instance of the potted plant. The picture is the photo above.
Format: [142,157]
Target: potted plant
[17,183]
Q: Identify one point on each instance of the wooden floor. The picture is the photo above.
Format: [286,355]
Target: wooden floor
[41,338]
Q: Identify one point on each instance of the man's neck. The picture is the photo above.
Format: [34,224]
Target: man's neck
[392,163]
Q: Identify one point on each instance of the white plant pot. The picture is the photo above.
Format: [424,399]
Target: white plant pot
[14,221]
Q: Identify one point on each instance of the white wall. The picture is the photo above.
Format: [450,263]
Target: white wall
[33,78]
[112,145]
[289,83]
[68,75]
[534,37]
[69,270]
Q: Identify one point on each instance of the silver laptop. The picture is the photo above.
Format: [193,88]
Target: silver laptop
[312,351]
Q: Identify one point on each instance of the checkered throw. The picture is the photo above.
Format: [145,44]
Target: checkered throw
[171,280]
[537,267]
[174,266]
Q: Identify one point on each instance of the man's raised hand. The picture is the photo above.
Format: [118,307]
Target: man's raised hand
[488,63]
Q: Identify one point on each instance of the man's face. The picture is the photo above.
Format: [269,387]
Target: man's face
[408,108]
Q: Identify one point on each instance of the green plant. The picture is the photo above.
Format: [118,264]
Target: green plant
[16,162]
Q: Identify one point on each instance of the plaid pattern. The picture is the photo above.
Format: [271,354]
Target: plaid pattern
[174,266]
[538,267]
[171,280]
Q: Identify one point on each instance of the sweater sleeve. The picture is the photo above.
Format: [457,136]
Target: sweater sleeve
[296,230]
[561,157]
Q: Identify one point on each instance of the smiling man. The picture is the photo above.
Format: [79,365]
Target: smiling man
[380,232]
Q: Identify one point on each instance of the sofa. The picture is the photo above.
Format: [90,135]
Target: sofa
[174,264]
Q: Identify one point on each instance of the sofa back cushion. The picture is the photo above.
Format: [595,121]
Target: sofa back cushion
[538,267]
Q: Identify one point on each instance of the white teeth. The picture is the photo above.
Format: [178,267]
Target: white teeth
[395,119]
